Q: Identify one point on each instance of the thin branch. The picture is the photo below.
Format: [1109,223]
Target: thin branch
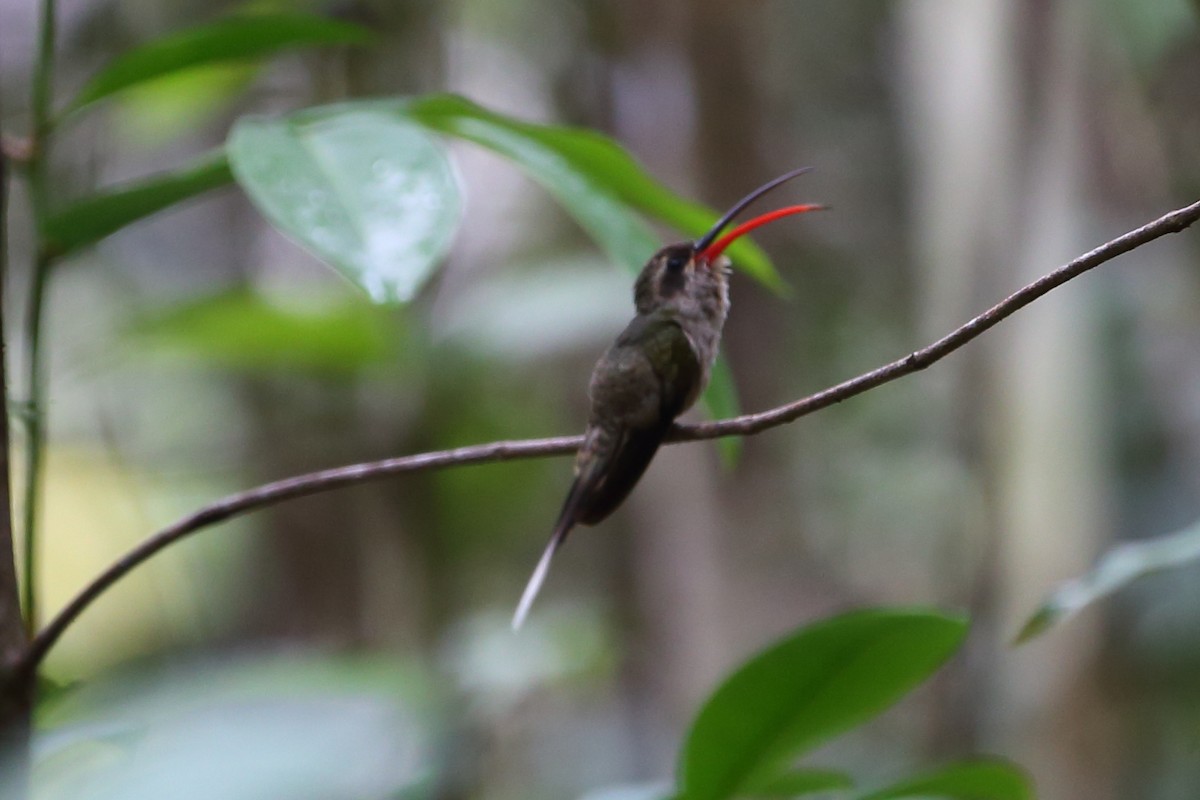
[749,424]
[313,483]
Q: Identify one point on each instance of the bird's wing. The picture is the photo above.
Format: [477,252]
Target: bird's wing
[660,348]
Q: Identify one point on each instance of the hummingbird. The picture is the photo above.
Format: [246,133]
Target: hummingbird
[652,373]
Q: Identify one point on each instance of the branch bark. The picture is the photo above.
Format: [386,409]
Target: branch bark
[301,485]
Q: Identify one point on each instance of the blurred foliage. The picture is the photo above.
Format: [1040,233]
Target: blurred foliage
[251,36]
[892,498]
[1120,566]
[244,331]
[324,726]
[372,195]
[85,221]
[816,684]
[302,727]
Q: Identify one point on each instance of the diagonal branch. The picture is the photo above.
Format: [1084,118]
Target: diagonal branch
[749,424]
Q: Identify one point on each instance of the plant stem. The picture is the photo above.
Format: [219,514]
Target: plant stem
[43,83]
[34,438]
[16,689]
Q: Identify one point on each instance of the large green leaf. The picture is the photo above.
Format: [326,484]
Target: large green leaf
[370,193]
[236,38]
[590,175]
[92,218]
[965,780]
[596,181]
[807,689]
[1122,565]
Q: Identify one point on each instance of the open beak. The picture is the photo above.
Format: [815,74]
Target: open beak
[709,246]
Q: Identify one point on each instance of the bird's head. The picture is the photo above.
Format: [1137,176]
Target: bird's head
[681,276]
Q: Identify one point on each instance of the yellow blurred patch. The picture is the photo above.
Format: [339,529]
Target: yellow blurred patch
[93,511]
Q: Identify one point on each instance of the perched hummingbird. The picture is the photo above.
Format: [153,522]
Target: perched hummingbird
[653,372]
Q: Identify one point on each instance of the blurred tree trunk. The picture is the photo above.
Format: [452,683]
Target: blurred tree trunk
[1050,434]
[957,83]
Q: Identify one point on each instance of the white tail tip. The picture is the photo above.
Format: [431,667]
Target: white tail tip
[535,585]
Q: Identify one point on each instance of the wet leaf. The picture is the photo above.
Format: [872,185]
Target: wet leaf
[370,193]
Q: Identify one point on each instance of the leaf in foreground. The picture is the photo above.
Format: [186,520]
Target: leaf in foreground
[234,39]
[805,690]
[1122,565]
[966,780]
[370,193]
[594,178]
[92,218]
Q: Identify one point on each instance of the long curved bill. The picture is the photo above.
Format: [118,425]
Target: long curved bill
[710,246]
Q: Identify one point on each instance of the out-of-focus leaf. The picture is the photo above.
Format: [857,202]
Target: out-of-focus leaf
[1123,564]
[810,687]
[596,181]
[591,176]
[179,103]
[370,193]
[965,780]
[92,218]
[236,38]
[720,400]
[297,728]
[243,331]
[800,782]
[1149,29]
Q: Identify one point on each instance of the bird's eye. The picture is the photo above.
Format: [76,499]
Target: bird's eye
[676,263]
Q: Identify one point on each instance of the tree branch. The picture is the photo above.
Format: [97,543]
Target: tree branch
[326,480]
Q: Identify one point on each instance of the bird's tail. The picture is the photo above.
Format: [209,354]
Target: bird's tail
[536,580]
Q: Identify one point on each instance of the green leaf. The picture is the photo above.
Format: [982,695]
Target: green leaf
[241,330]
[371,194]
[540,151]
[236,38]
[720,400]
[1122,565]
[159,110]
[580,167]
[594,179]
[965,780]
[92,218]
[812,686]
[794,783]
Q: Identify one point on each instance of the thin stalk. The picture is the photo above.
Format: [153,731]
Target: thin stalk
[34,438]
[43,84]
[16,689]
